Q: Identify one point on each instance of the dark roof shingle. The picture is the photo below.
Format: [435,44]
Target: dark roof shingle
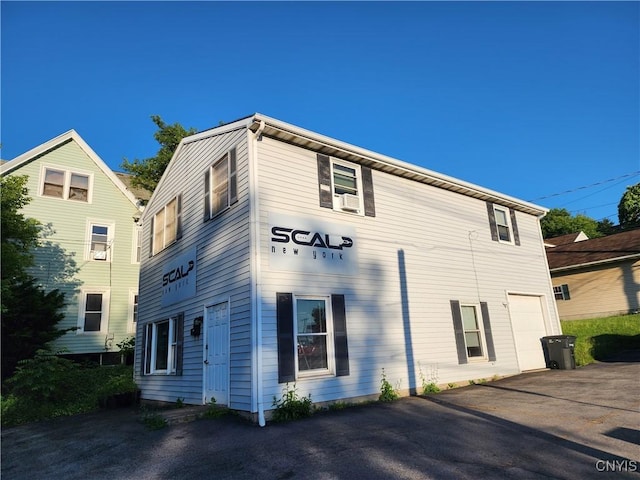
[609,248]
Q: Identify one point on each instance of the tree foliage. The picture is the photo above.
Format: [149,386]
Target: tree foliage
[629,208]
[146,173]
[29,323]
[558,221]
[19,235]
[29,315]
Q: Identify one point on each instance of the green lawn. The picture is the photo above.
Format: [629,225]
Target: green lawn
[599,338]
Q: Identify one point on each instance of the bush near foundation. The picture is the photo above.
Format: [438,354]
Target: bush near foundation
[48,386]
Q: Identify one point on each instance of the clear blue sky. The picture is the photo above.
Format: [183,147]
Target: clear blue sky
[530,99]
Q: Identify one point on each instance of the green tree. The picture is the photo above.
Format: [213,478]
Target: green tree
[19,235]
[146,173]
[629,207]
[558,221]
[29,323]
[29,315]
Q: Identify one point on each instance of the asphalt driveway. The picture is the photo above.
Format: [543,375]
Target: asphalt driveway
[573,424]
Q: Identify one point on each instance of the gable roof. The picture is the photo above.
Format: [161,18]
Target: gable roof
[565,239]
[263,125]
[69,136]
[596,251]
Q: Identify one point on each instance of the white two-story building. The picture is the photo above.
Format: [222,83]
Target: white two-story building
[275,255]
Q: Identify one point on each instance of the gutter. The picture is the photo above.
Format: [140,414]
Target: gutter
[591,264]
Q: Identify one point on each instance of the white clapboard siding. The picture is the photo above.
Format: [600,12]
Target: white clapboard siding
[448,254]
[222,271]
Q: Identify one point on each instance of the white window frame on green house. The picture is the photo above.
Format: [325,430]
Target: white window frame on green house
[67,187]
[132,312]
[305,339]
[99,244]
[103,311]
[136,244]
[346,186]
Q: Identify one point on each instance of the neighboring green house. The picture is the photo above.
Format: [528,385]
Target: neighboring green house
[90,243]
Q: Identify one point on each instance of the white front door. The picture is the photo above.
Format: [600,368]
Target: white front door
[216,354]
[527,320]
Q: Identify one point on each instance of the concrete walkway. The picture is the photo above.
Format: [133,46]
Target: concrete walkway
[570,424]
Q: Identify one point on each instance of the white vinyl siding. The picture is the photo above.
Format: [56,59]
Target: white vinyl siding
[402,259]
[223,272]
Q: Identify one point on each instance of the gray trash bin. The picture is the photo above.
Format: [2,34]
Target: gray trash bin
[559,351]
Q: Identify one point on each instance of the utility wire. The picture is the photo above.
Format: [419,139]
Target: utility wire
[627,175]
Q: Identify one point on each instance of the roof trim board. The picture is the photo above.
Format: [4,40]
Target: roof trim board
[70,135]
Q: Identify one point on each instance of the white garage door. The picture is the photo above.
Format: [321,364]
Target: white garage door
[528,327]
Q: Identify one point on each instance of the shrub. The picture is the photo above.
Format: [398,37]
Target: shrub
[387,392]
[291,406]
[48,386]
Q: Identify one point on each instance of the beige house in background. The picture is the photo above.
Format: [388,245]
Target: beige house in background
[596,277]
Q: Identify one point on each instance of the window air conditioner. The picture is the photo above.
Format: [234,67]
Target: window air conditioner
[349,202]
[99,254]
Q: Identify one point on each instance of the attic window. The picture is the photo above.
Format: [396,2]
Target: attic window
[64,184]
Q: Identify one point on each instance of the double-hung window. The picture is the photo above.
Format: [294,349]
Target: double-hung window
[167,225]
[64,184]
[503,225]
[472,329]
[313,331]
[502,221]
[472,333]
[94,311]
[133,311]
[312,336]
[163,346]
[100,241]
[345,186]
[220,184]
[347,189]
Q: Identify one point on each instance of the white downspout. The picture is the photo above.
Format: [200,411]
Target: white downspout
[256,289]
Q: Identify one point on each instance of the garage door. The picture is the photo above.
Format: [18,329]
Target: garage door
[527,320]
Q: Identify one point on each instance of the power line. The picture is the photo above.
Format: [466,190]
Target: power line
[627,175]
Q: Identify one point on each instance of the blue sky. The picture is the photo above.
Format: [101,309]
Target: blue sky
[531,99]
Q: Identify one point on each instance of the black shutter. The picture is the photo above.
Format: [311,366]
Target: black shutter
[147,345]
[458,330]
[207,195]
[179,342]
[324,181]
[367,191]
[488,337]
[233,182]
[179,217]
[492,222]
[514,226]
[151,236]
[286,344]
[565,292]
[143,350]
[340,335]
